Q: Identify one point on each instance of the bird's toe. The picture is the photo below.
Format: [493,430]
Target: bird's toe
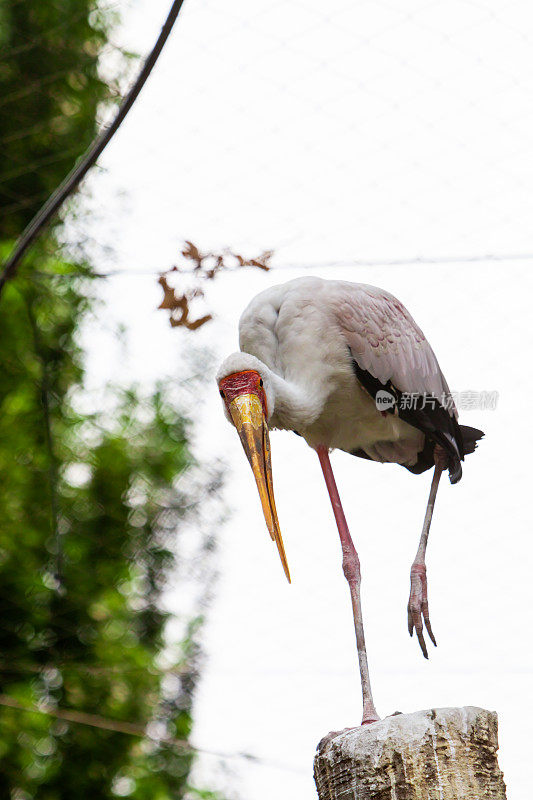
[418,608]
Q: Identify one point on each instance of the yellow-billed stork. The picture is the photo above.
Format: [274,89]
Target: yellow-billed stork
[345,366]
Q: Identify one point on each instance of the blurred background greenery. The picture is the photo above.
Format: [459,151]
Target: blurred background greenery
[90,506]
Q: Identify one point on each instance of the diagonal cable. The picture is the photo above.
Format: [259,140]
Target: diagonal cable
[58,197]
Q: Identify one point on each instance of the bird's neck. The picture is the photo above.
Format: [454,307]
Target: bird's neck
[296,407]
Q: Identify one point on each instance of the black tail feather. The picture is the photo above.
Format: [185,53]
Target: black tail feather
[471,436]
[435,421]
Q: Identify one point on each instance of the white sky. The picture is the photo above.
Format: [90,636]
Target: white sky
[356,131]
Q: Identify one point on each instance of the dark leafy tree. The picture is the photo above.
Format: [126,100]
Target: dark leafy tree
[91,516]
[50,92]
[91,521]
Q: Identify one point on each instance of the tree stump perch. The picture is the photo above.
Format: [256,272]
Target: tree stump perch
[438,754]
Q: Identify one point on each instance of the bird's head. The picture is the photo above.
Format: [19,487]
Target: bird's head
[245,387]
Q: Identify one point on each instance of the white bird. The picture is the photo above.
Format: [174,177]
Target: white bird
[345,366]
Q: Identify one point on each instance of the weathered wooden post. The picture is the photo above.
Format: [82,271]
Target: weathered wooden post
[438,754]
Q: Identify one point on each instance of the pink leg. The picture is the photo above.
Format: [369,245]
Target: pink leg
[417,607]
[352,573]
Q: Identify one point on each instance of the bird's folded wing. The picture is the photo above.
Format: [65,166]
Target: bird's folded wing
[385,341]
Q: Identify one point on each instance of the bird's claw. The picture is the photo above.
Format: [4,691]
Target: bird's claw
[417,608]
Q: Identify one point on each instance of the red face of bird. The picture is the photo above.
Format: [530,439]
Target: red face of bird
[245,401]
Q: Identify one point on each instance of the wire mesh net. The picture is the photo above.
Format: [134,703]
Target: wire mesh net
[346,135]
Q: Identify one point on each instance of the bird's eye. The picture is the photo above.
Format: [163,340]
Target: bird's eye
[261,382]
[222,394]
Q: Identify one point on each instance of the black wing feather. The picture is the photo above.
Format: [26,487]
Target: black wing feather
[429,416]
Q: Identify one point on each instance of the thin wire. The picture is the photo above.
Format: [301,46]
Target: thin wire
[33,165]
[20,667]
[58,197]
[84,718]
[27,201]
[39,42]
[133,729]
[21,133]
[34,86]
[393,262]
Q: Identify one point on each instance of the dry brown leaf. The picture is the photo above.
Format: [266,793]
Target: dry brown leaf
[192,326]
[179,304]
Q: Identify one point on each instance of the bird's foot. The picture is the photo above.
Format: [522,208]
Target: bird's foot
[369,713]
[417,608]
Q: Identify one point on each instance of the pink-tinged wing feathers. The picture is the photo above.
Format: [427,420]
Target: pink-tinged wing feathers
[386,342]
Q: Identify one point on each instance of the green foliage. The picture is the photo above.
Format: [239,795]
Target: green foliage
[89,507]
[50,90]
[85,632]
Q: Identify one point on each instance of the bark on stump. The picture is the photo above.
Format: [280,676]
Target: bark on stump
[439,754]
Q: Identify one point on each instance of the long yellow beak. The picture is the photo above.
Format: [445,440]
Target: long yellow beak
[247,414]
